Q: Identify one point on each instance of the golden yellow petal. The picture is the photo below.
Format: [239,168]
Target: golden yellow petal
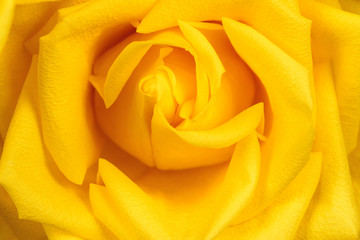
[27,171]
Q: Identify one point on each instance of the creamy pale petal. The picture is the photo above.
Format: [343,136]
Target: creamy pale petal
[14,59]
[333,213]
[288,146]
[283,217]
[176,149]
[278,20]
[166,199]
[336,38]
[39,190]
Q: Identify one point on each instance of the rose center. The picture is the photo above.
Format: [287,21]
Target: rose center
[163,97]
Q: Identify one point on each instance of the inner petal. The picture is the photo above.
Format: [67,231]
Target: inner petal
[237,86]
[127,121]
[178,103]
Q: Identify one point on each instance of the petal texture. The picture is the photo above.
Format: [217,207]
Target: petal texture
[153,208]
[285,152]
[46,196]
[65,93]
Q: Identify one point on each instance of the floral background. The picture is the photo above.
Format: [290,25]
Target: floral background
[179,120]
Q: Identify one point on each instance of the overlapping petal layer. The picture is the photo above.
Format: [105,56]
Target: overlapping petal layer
[284,153]
[282,218]
[334,195]
[153,208]
[13,228]
[14,59]
[65,93]
[140,121]
[341,47]
[31,178]
[182,94]
[6,14]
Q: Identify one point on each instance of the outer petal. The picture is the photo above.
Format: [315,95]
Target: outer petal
[19,228]
[65,62]
[154,208]
[278,20]
[27,172]
[282,219]
[350,5]
[5,230]
[54,233]
[14,59]
[354,164]
[6,15]
[333,213]
[336,38]
[287,149]
[33,1]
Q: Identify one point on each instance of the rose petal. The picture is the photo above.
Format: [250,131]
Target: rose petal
[5,230]
[176,149]
[206,53]
[145,215]
[33,1]
[237,87]
[54,233]
[283,217]
[118,74]
[127,121]
[333,203]
[337,38]
[288,146]
[20,228]
[6,16]
[128,164]
[354,164]
[40,192]
[279,21]
[14,59]
[65,93]
[350,5]
[129,116]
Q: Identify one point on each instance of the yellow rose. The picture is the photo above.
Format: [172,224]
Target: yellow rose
[180,119]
